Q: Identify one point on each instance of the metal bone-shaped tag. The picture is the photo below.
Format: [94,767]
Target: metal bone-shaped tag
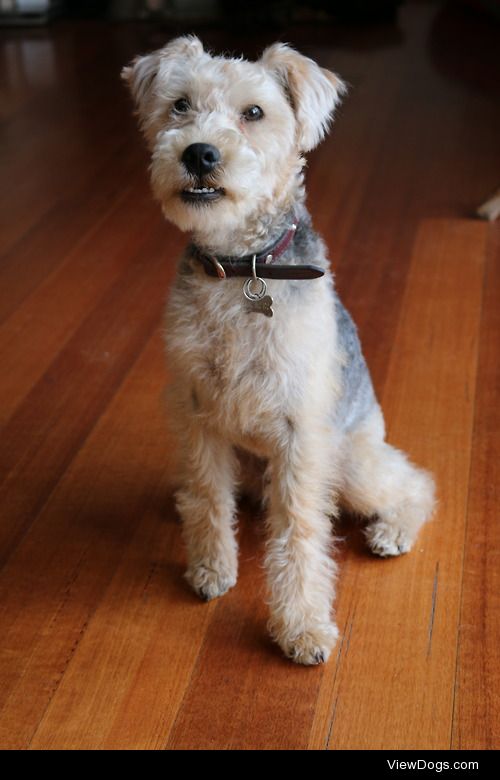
[256,300]
[260,305]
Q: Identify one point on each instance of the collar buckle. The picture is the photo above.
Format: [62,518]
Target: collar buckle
[218,267]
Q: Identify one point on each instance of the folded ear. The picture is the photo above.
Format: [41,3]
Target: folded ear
[140,75]
[313,92]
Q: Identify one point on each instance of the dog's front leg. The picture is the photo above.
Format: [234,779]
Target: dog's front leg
[299,566]
[206,504]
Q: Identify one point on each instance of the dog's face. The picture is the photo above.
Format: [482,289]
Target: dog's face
[227,136]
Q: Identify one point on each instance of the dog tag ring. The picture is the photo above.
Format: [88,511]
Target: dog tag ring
[254,291]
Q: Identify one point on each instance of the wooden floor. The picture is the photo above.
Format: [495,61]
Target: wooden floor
[102,645]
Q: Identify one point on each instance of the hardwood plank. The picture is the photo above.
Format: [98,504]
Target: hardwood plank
[393,687]
[244,694]
[340,171]
[49,427]
[476,723]
[105,536]
[50,146]
[43,248]
[137,653]
[38,330]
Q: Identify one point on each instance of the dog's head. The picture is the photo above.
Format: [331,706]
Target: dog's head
[227,136]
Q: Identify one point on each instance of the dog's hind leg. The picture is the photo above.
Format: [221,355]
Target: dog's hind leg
[380,483]
[206,504]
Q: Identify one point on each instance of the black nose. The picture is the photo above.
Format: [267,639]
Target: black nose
[200,159]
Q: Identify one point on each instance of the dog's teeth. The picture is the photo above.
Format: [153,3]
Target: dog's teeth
[200,190]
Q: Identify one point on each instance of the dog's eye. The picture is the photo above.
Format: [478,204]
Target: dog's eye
[253,113]
[181,106]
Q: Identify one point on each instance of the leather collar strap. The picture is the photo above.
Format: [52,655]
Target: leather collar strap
[222,267]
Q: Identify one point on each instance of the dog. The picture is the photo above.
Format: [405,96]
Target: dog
[265,359]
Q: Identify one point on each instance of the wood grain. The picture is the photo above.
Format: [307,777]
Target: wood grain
[41,249]
[476,723]
[95,262]
[396,666]
[115,605]
[97,358]
[102,645]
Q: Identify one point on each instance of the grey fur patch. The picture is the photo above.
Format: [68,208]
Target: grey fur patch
[358,397]
[307,246]
[184,267]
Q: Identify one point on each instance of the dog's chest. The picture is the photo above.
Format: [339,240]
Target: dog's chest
[248,374]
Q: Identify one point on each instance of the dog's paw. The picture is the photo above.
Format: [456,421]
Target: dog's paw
[311,647]
[209,583]
[387,539]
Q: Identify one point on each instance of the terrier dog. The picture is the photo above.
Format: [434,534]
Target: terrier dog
[269,368]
